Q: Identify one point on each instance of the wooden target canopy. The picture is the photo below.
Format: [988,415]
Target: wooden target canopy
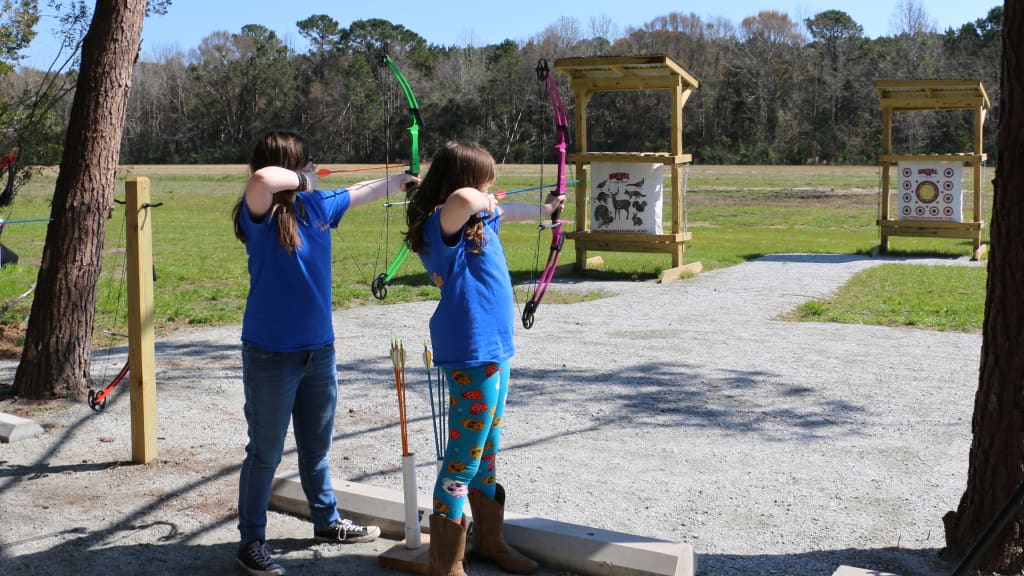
[924,95]
[617,73]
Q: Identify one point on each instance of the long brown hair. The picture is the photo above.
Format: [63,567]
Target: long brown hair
[456,165]
[289,150]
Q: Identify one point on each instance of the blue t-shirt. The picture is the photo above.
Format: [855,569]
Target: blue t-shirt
[473,322]
[289,307]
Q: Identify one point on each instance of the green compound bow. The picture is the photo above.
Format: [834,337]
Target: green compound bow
[379,286]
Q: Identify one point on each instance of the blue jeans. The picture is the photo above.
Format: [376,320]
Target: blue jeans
[282,386]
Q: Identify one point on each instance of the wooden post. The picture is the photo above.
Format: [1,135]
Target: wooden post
[141,350]
[582,98]
[676,101]
[979,151]
[886,175]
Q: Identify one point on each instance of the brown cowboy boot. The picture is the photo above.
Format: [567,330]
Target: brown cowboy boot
[447,547]
[487,538]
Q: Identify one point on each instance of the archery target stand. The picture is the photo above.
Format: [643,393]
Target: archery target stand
[589,76]
[929,187]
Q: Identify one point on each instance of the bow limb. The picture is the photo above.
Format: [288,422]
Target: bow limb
[557,232]
[415,120]
[561,123]
[379,286]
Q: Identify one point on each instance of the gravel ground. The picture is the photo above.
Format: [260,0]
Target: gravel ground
[683,411]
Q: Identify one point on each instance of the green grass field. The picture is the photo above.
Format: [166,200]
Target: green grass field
[735,213]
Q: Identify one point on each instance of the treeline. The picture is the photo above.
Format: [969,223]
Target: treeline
[772,90]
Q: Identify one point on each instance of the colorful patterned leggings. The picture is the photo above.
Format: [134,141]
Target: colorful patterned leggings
[476,406]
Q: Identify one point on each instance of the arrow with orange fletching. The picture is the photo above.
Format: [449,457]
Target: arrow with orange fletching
[398,362]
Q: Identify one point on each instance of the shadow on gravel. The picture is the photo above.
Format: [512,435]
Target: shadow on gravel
[174,556]
[190,349]
[847,258]
[902,561]
[677,395]
[814,258]
[75,557]
[13,473]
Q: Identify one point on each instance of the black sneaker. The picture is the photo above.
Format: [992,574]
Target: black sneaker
[346,531]
[256,560]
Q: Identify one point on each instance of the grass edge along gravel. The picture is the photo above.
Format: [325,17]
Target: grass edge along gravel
[945,298]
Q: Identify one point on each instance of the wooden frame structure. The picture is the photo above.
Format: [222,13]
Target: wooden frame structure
[605,74]
[922,95]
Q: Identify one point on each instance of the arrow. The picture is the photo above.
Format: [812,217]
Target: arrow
[323,172]
[502,193]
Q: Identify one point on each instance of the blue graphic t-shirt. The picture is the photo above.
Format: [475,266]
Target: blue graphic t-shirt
[473,322]
[289,307]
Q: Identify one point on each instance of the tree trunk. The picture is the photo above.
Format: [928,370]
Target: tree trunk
[58,342]
[996,464]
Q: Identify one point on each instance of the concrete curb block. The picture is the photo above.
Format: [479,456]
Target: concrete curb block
[14,428]
[555,544]
[362,504]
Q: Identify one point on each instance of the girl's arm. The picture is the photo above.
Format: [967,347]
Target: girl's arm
[373,190]
[524,212]
[463,204]
[265,182]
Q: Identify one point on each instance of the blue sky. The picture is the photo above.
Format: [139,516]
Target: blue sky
[472,22]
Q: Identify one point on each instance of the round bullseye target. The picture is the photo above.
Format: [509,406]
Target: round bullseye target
[927,191]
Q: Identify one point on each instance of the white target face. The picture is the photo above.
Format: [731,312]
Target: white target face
[931,191]
[626,197]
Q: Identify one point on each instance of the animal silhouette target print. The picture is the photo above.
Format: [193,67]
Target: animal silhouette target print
[931,191]
[626,197]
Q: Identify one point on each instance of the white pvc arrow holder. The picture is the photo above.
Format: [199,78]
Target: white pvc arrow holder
[412,512]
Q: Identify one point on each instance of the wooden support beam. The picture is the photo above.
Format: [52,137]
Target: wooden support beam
[676,273]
